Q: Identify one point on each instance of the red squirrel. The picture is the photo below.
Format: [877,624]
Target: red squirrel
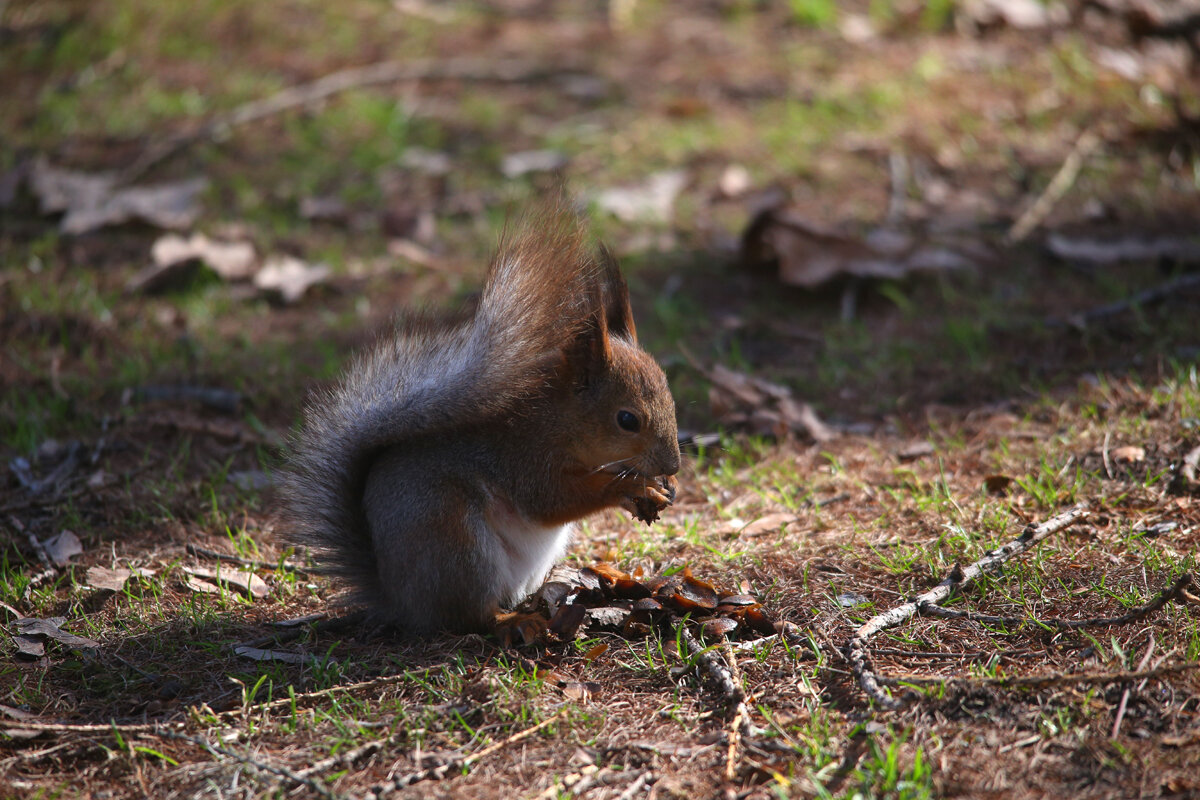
[441,478]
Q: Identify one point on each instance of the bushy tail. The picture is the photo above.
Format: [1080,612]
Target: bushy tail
[432,375]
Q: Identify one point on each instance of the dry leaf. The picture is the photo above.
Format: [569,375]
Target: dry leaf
[289,277]
[515,165]
[915,451]
[809,255]
[652,201]
[248,582]
[739,400]
[997,484]
[200,586]
[719,626]
[1128,248]
[1130,454]
[696,591]
[256,654]
[233,261]
[771,523]
[608,616]
[594,652]
[94,201]
[62,548]
[50,629]
[580,691]
[29,646]
[108,580]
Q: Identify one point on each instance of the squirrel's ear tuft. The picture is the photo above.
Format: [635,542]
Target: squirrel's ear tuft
[618,315]
[589,352]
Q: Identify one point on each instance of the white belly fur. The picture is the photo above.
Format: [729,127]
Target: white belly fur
[523,551]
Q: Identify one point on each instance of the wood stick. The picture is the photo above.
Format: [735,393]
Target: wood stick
[283,772]
[1044,681]
[958,579]
[441,771]
[1176,591]
[307,94]
[1059,185]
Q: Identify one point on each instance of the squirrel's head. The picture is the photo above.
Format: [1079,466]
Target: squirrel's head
[620,402]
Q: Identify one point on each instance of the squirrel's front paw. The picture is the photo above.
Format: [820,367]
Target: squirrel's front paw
[653,496]
[516,628]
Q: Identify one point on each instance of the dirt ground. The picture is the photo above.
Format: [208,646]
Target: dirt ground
[923,277]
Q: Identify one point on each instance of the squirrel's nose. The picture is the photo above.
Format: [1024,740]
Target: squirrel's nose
[669,459]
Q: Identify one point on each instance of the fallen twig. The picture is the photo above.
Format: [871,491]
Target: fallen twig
[959,578]
[215,555]
[307,94]
[740,723]
[283,772]
[716,671]
[1155,294]
[1059,185]
[1120,715]
[1175,591]
[461,764]
[637,785]
[1043,681]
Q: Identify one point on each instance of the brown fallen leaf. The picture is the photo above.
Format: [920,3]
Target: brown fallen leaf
[767,408]
[111,580]
[594,652]
[771,523]
[200,586]
[94,200]
[50,628]
[808,255]
[248,582]
[29,647]
[580,691]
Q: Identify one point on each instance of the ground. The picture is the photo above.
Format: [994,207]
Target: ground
[1053,367]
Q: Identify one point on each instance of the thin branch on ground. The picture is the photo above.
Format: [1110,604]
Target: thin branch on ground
[1176,591]
[461,764]
[1059,185]
[637,785]
[80,727]
[707,658]
[739,724]
[287,702]
[283,772]
[1146,297]
[959,579]
[1120,715]
[789,635]
[1044,681]
[309,94]
[202,552]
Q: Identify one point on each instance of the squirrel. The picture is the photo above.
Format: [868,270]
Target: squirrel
[441,478]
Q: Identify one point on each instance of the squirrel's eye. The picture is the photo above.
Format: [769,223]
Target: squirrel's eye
[628,421]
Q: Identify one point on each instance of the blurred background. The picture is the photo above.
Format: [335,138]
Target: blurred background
[876,205]
[928,270]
